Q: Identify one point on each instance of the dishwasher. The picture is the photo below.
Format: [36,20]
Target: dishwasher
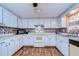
[74,47]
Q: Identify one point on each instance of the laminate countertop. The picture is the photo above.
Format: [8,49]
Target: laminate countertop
[76,38]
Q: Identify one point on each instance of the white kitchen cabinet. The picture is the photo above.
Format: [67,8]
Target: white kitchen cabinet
[47,41]
[3,48]
[9,19]
[16,44]
[64,21]
[50,40]
[22,23]
[54,23]
[1,15]
[46,23]
[31,23]
[31,40]
[13,21]
[25,41]
[65,49]
[20,42]
[10,46]
[53,40]
[58,44]
[6,17]
[63,44]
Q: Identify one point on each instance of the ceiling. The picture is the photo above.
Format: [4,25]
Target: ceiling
[26,10]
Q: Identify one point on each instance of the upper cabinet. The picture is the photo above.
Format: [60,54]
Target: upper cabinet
[64,21]
[22,23]
[46,23]
[9,19]
[0,15]
[32,22]
[55,23]
[19,23]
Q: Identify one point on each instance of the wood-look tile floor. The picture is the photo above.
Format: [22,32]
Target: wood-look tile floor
[32,51]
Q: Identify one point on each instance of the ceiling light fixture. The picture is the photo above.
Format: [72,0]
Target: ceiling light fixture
[35,4]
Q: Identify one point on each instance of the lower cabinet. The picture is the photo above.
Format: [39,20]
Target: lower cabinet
[8,46]
[16,44]
[65,48]
[47,41]
[3,48]
[20,42]
[50,40]
[63,45]
[11,45]
[25,41]
[31,40]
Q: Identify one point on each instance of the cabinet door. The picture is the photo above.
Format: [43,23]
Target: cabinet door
[31,40]
[47,41]
[6,17]
[9,19]
[25,41]
[65,48]
[31,23]
[20,42]
[13,21]
[53,40]
[46,23]
[24,23]
[53,23]
[3,49]
[10,46]
[20,23]
[0,14]
[59,43]
[16,44]
[64,21]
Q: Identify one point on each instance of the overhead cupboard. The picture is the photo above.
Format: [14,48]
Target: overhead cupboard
[0,15]
[30,23]
[9,19]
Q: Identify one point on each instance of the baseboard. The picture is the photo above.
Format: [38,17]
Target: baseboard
[28,46]
[50,46]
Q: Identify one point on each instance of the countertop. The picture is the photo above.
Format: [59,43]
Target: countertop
[42,34]
[76,38]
